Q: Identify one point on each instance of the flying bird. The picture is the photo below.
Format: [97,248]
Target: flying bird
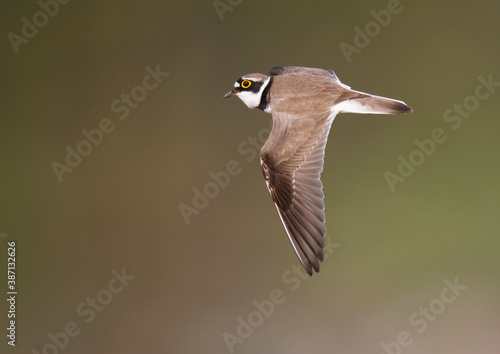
[303,103]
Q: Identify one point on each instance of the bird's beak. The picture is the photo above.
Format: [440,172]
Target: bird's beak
[231,93]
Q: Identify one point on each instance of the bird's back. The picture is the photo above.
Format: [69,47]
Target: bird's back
[303,91]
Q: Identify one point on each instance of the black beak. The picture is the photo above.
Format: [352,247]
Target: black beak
[231,93]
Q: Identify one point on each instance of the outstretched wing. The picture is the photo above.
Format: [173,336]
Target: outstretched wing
[292,162]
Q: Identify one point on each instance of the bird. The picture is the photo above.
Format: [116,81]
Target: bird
[303,103]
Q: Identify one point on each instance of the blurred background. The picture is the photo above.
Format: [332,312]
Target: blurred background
[117,252]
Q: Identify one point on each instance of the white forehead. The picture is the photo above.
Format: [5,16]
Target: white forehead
[251,78]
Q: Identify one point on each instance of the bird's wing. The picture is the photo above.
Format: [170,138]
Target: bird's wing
[292,162]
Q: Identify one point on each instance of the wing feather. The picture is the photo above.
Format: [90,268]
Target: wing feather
[292,161]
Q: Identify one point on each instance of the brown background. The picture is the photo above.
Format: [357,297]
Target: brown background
[120,206]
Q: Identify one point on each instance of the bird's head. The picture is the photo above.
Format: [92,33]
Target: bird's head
[249,88]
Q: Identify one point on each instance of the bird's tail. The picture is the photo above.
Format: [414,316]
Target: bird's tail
[359,102]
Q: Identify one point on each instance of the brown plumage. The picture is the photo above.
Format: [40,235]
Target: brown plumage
[303,103]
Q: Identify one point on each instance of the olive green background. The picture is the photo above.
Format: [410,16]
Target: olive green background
[392,250]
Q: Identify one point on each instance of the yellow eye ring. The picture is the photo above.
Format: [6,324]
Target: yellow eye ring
[246,84]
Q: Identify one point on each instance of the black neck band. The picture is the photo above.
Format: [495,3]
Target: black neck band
[264,99]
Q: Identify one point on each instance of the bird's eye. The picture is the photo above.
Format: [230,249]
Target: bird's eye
[246,84]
